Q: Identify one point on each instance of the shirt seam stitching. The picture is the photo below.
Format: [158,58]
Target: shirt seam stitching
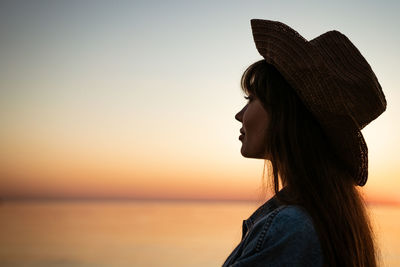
[270,218]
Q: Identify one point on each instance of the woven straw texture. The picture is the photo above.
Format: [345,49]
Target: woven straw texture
[333,80]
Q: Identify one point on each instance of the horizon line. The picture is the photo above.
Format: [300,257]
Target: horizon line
[160,199]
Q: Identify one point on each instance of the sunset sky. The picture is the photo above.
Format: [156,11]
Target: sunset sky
[136,99]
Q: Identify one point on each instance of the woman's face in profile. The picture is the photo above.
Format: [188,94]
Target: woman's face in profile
[255,121]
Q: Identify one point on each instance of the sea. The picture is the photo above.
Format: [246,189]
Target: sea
[142,233]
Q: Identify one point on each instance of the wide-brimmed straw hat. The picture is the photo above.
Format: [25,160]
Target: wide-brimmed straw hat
[333,80]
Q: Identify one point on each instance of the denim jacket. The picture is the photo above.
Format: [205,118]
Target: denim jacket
[277,235]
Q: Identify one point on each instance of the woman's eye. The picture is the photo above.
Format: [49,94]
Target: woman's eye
[249,98]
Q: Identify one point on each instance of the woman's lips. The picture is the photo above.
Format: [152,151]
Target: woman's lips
[242,134]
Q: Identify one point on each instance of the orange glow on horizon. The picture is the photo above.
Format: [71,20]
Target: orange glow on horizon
[92,106]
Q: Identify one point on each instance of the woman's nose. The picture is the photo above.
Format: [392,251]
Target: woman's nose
[239,115]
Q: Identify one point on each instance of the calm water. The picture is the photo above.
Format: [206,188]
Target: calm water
[141,233]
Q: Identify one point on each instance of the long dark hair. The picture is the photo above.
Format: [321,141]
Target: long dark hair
[314,177]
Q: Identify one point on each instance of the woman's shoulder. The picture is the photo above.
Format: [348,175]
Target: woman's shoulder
[285,220]
[284,235]
[291,223]
[290,217]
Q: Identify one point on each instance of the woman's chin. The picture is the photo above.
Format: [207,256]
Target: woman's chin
[245,153]
[248,154]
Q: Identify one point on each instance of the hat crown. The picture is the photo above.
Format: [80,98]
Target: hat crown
[362,95]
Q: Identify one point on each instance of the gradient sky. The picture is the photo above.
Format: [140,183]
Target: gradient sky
[137,98]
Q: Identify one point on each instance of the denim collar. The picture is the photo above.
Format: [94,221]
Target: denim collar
[263,210]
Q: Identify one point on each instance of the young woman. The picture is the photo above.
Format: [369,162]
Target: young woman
[307,104]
